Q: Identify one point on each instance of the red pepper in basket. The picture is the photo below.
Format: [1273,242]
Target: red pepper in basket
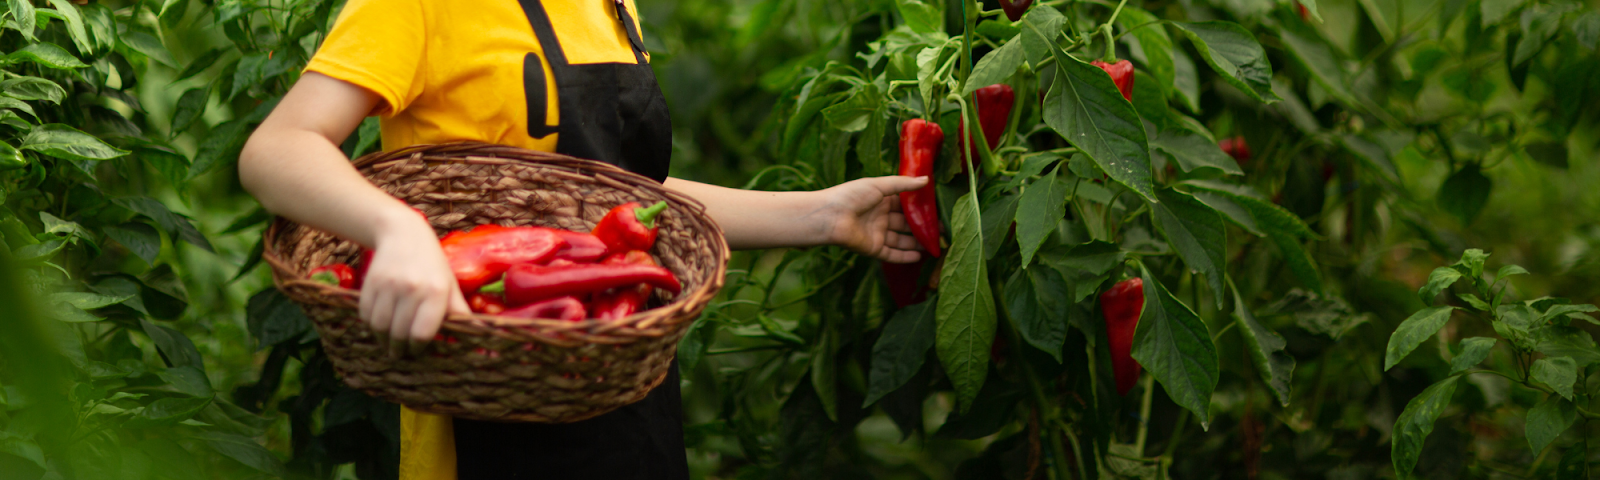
[905,282]
[488,304]
[622,301]
[479,256]
[580,247]
[361,269]
[994,104]
[561,308]
[338,275]
[629,227]
[919,145]
[526,284]
[1121,74]
[1121,306]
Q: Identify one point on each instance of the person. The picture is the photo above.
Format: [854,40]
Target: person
[569,76]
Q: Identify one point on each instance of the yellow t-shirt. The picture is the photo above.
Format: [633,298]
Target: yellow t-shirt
[452,70]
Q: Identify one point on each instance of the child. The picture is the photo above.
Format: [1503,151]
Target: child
[569,76]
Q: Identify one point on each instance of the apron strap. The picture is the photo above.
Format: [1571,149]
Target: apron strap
[633,33]
[546,34]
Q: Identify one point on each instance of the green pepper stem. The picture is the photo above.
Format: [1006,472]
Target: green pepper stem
[647,215]
[325,278]
[499,286]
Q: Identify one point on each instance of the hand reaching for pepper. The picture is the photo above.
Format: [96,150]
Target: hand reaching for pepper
[862,215]
[867,218]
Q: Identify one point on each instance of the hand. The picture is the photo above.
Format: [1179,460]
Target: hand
[865,217]
[409,286]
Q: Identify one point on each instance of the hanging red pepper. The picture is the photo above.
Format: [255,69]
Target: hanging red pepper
[1121,74]
[994,104]
[1015,9]
[919,146]
[1121,305]
[1236,147]
[481,303]
[1301,9]
[627,300]
[478,256]
[567,308]
[526,283]
[905,282]
[629,226]
[338,275]
[580,247]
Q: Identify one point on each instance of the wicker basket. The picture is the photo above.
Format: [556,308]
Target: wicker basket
[498,368]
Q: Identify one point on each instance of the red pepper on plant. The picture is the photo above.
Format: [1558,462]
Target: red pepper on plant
[1237,148]
[1121,306]
[629,226]
[920,142]
[338,275]
[994,104]
[622,301]
[905,282]
[1015,9]
[524,284]
[567,308]
[1299,8]
[1121,74]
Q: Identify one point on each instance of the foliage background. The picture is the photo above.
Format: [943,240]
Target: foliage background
[134,250]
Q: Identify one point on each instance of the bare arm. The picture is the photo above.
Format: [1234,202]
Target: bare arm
[862,215]
[293,166]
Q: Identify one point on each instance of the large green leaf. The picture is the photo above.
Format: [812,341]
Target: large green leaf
[1234,54]
[1043,203]
[1196,232]
[1086,109]
[175,225]
[1413,331]
[1547,420]
[1154,43]
[189,108]
[1473,351]
[1176,347]
[856,112]
[168,411]
[47,55]
[273,318]
[1440,279]
[966,315]
[64,142]
[75,25]
[173,345]
[33,88]
[1557,372]
[921,16]
[901,349]
[1038,301]
[22,12]
[1266,349]
[995,67]
[1416,422]
[1193,151]
[999,216]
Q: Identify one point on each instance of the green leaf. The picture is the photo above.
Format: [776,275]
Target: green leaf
[174,224]
[1196,232]
[1573,342]
[23,12]
[1548,420]
[201,63]
[853,114]
[1475,302]
[1473,259]
[187,380]
[1235,213]
[966,315]
[1539,24]
[1440,279]
[998,217]
[190,107]
[33,88]
[167,412]
[1557,372]
[1321,59]
[1473,351]
[1465,193]
[995,67]
[1175,346]
[273,318]
[68,143]
[70,314]
[1040,206]
[921,17]
[1413,331]
[901,349]
[1038,301]
[173,345]
[1275,365]
[1086,109]
[75,25]
[140,238]
[1416,422]
[12,103]
[825,371]
[1575,461]
[1234,54]
[869,145]
[1153,42]
[46,54]
[244,450]
[149,46]
[1040,19]
[87,300]
[1084,266]
[1185,79]
[1194,151]
[1509,270]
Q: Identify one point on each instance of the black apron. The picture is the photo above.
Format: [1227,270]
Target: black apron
[613,113]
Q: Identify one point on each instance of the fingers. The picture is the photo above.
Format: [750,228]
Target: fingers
[892,255]
[430,313]
[901,241]
[378,311]
[895,184]
[897,223]
[405,314]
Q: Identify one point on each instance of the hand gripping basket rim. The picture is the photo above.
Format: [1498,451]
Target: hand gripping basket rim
[497,368]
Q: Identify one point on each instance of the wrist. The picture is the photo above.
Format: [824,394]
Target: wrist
[398,221]
[829,209]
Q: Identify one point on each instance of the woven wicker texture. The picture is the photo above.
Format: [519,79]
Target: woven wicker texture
[498,368]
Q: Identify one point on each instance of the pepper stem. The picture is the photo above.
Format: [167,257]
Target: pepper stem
[1111,45]
[647,215]
[499,286]
[325,278]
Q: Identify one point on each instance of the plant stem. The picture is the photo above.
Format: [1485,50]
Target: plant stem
[1144,414]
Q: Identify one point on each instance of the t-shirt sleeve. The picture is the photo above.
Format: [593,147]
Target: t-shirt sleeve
[377,45]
